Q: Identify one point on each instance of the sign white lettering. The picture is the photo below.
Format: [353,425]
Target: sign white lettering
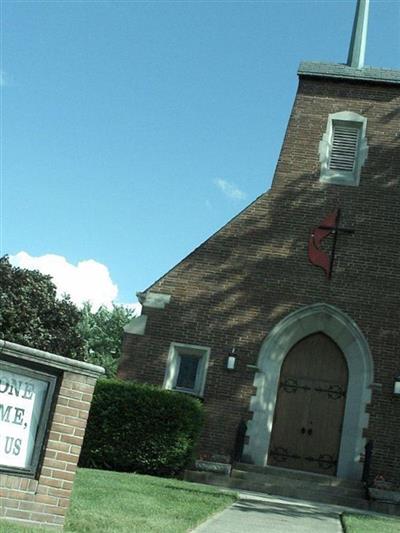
[21,403]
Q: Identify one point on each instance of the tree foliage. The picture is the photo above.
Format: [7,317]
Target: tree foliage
[102,332]
[32,315]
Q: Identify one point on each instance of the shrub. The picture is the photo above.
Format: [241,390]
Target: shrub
[139,428]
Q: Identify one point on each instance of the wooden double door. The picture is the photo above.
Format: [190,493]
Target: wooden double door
[310,405]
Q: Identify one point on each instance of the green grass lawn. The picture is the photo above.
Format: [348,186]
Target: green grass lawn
[116,502]
[357,523]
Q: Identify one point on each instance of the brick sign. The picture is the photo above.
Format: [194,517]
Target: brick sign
[21,405]
[44,406]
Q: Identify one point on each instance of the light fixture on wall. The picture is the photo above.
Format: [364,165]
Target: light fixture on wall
[231,360]
[396,388]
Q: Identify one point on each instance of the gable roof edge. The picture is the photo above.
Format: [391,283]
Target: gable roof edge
[142,293]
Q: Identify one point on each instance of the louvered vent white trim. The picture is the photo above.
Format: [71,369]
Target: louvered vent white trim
[344,147]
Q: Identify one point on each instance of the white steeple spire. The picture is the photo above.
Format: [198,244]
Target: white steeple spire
[359,36]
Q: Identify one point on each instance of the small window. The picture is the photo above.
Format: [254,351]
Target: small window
[186,368]
[343,149]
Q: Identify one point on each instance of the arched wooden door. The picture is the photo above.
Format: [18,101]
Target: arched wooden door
[310,405]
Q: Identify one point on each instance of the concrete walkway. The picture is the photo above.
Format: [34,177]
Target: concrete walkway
[256,513]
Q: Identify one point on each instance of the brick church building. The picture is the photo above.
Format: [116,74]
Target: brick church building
[287,318]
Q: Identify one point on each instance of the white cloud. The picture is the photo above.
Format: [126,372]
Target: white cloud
[136,308]
[88,281]
[230,189]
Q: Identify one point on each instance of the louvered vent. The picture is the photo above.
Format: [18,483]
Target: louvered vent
[344,147]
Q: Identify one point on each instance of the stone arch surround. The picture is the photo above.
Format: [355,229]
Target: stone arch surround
[347,335]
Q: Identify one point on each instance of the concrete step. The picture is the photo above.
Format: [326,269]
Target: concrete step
[286,473]
[276,485]
[322,484]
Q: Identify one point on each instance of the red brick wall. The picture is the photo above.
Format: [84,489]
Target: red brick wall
[44,501]
[240,283]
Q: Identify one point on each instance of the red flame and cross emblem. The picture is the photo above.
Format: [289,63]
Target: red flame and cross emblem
[329,226]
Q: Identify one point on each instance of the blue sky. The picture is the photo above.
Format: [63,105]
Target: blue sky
[132,131]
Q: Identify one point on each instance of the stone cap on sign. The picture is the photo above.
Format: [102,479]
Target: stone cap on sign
[335,70]
[56,361]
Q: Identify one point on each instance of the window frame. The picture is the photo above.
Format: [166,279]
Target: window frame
[176,351]
[336,176]
[38,372]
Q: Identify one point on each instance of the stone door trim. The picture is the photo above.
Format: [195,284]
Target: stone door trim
[344,331]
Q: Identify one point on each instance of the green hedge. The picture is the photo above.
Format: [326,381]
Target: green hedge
[138,428]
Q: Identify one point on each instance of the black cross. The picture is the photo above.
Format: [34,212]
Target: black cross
[335,230]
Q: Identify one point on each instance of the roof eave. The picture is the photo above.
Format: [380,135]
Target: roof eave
[345,72]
